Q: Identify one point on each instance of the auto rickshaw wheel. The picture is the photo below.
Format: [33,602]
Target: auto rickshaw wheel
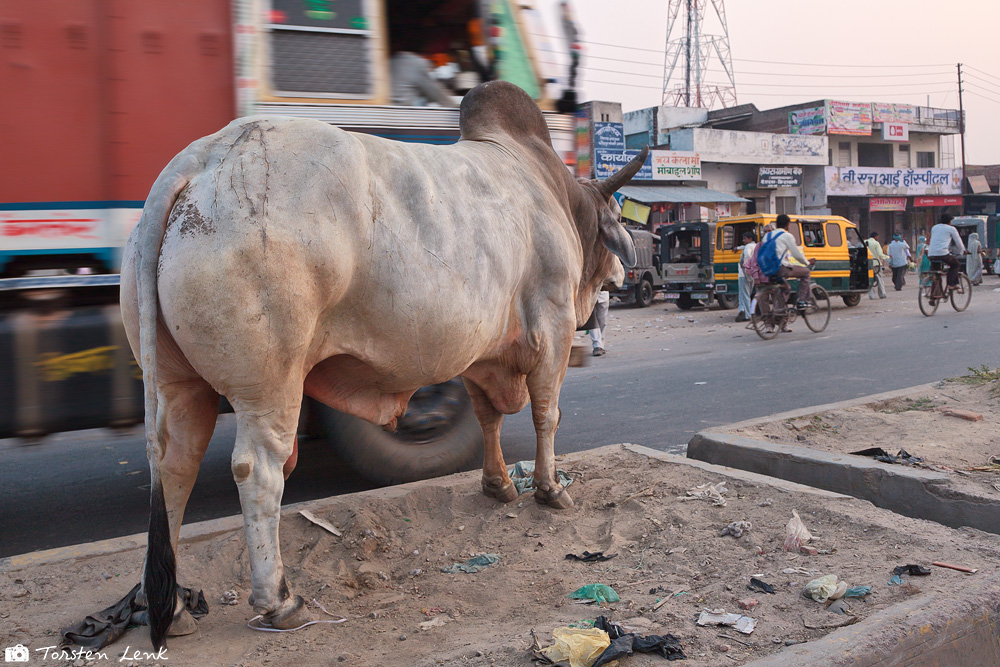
[851,300]
[727,301]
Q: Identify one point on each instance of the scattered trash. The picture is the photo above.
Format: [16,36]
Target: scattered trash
[743,624]
[839,592]
[767,502]
[596,593]
[322,523]
[962,414]
[580,646]
[710,492]
[435,622]
[880,454]
[960,568]
[591,557]
[522,474]
[797,570]
[659,604]
[758,585]
[896,580]
[857,591]
[808,551]
[796,533]
[822,588]
[748,603]
[839,607]
[625,643]
[915,570]
[707,383]
[737,528]
[474,564]
[230,598]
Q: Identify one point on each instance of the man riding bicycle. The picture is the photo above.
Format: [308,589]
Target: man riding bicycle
[793,261]
[943,237]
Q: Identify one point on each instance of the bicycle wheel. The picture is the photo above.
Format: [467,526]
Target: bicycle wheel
[817,316]
[961,297]
[925,295]
[763,324]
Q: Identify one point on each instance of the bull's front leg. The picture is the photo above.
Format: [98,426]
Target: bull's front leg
[544,383]
[496,481]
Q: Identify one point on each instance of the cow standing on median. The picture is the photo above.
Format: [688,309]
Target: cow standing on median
[280,256]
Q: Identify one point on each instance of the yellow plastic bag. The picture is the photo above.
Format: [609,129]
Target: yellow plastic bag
[580,646]
[822,588]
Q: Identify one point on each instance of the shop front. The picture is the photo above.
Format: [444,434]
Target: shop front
[656,205]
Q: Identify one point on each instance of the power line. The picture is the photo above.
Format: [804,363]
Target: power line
[992,76]
[758,94]
[984,82]
[985,97]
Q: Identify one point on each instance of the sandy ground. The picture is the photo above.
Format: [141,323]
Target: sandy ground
[384,575]
[915,423]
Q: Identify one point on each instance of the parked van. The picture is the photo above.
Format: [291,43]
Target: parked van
[843,267]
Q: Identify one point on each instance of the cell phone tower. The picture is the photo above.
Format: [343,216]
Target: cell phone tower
[687,86]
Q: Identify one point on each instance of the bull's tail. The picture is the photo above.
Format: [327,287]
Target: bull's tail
[160,576]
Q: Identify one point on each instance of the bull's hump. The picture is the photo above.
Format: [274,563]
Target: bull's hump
[500,107]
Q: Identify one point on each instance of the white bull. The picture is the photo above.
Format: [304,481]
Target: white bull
[279,257]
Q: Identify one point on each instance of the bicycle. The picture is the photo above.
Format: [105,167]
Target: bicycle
[932,291]
[771,311]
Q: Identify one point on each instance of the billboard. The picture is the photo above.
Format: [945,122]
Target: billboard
[807,121]
[887,181]
[779,177]
[853,118]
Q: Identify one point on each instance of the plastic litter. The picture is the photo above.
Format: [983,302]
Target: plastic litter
[591,557]
[839,607]
[737,528]
[796,533]
[839,593]
[595,592]
[624,643]
[879,454]
[821,588]
[896,580]
[580,646]
[710,492]
[522,474]
[474,564]
[857,591]
[758,585]
[915,570]
[743,624]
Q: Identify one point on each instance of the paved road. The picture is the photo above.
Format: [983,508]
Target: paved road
[662,380]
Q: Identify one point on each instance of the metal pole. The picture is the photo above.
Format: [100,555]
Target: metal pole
[961,132]
[687,46]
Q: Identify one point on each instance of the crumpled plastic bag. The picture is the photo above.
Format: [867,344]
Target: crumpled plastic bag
[626,643]
[822,588]
[522,474]
[474,564]
[737,528]
[796,533]
[595,592]
[857,591]
[580,646]
[710,492]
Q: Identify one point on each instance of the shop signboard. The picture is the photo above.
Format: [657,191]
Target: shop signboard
[895,132]
[889,182]
[883,112]
[887,204]
[807,121]
[583,149]
[853,118]
[608,162]
[779,177]
[676,166]
[936,201]
[609,136]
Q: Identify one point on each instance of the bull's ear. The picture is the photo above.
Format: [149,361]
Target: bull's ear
[616,238]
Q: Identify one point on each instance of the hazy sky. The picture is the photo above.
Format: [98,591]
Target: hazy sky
[788,51]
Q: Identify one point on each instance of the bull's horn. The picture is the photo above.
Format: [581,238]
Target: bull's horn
[625,174]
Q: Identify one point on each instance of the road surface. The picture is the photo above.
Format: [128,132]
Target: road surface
[663,379]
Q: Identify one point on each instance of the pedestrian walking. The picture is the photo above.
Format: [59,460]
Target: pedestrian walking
[899,258]
[746,284]
[875,252]
[974,260]
[601,319]
[923,264]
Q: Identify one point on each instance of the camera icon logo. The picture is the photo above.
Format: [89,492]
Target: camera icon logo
[17,653]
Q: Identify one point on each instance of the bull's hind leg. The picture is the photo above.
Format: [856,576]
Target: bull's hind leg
[265,437]
[496,481]
[544,383]
[185,419]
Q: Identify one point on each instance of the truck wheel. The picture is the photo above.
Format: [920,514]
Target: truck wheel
[438,435]
[727,301]
[851,300]
[685,302]
[644,293]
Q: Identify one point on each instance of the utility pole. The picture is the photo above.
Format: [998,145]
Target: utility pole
[692,87]
[961,132]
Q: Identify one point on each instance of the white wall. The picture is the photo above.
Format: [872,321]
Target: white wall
[738,147]
[919,141]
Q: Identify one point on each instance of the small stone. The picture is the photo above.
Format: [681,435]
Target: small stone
[78,662]
[511,515]
[383,576]
[479,654]
[800,438]
[963,414]
[748,603]
[808,551]
[416,572]
[373,614]
[402,638]
[723,648]
[106,575]
[461,528]
[19,592]
[230,597]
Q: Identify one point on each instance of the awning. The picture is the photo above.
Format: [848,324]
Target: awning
[678,194]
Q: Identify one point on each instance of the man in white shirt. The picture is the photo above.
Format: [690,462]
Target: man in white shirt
[943,237]
[745,282]
[875,252]
[793,261]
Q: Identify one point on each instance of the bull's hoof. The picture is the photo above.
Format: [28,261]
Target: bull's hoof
[293,614]
[183,624]
[501,489]
[557,497]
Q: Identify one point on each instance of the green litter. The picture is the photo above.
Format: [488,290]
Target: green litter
[858,592]
[522,474]
[474,564]
[595,592]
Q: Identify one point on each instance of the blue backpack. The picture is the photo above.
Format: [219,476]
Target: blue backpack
[767,254]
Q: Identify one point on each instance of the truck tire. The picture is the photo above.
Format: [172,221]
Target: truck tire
[685,302]
[644,293]
[727,301]
[438,435]
[851,300]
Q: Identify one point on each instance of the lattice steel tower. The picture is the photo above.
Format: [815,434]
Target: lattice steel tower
[697,50]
